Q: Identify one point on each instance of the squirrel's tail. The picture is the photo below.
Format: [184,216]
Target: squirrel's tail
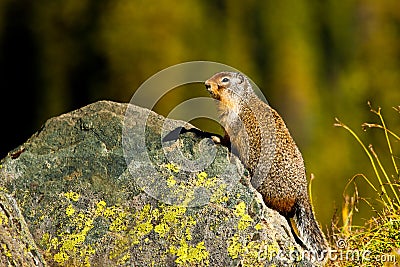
[310,233]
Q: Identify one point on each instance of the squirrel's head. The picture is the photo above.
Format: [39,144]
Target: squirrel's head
[229,87]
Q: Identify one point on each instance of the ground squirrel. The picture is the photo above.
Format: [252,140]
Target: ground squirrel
[258,135]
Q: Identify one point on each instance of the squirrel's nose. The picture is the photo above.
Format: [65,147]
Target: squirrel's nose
[208,85]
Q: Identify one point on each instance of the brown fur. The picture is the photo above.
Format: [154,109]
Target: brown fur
[262,141]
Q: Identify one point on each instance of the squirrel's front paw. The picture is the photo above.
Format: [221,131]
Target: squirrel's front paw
[216,139]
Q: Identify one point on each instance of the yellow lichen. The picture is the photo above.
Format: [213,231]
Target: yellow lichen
[3,218]
[140,230]
[190,254]
[142,226]
[272,250]
[45,240]
[124,258]
[171,181]
[72,195]
[258,226]
[172,167]
[120,247]
[3,188]
[86,254]
[201,177]
[60,257]
[88,251]
[70,245]
[203,180]
[6,251]
[172,213]
[100,206]
[161,229]
[176,228]
[144,213]
[127,228]
[70,210]
[109,212]
[240,209]
[235,248]
[119,222]
[210,182]
[220,194]
[188,234]
[170,216]
[245,219]
[54,243]
[251,253]
[155,213]
[244,222]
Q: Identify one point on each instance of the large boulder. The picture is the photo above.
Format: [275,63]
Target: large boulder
[114,184]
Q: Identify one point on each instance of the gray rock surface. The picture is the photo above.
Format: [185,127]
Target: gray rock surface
[17,245]
[98,188]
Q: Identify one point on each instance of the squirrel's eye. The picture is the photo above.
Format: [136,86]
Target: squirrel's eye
[225,80]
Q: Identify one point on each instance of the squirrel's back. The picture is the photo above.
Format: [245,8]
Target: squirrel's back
[259,136]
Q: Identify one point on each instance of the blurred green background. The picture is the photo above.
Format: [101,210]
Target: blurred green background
[314,61]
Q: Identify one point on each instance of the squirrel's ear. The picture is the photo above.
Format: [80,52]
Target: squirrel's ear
[240,77]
